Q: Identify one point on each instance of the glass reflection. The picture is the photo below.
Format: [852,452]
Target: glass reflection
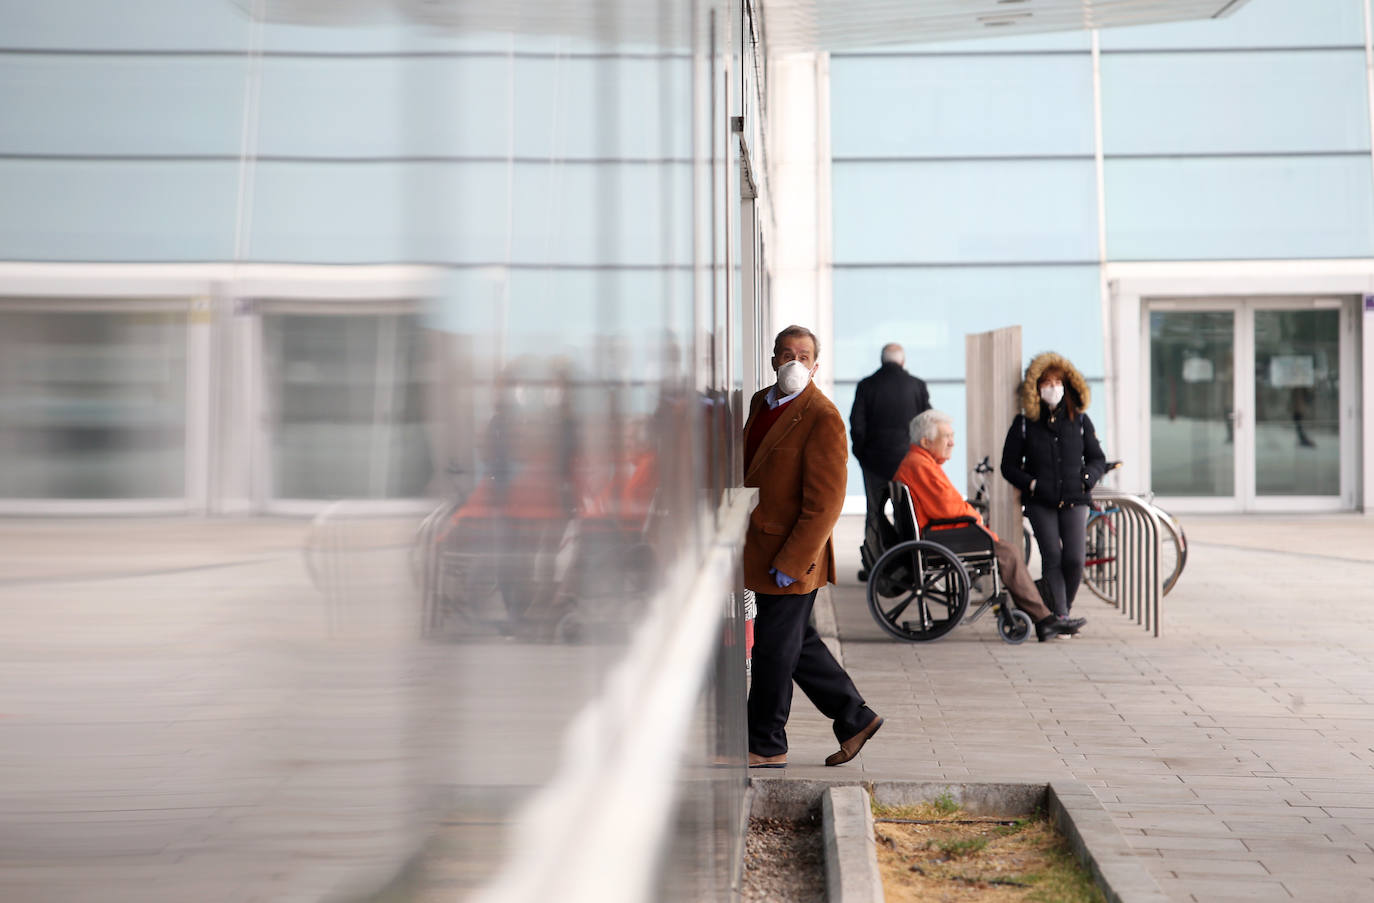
[1297,402]
[509,475]
[348,392]
[92,403]
[1192,385]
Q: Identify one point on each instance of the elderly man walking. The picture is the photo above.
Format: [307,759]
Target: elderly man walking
[884,403]
[794,453]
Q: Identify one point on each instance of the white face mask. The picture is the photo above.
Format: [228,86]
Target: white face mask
[1052,395]
[793,377]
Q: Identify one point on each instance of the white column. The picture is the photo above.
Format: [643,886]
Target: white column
[798,149]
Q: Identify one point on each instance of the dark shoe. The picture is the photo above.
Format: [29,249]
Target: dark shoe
[757,761]
[850,748]
[1071,625]
[863,575]
[1048,628]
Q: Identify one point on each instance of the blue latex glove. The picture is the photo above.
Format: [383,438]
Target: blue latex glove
[782,580]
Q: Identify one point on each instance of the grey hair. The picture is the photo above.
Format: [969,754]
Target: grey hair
[926,425]
[894,353]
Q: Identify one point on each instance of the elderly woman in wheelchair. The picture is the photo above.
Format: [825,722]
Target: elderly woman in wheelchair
[923,564]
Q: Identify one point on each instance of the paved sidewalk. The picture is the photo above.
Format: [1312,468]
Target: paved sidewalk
[1235,752]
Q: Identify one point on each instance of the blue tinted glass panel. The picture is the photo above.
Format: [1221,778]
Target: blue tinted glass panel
[118,105]
[79,210]
[1234,102]
[961,105]
[929,311]
[129,24]
[1035,210]
[843,396]
[342,107]
[458,213]
[597,107]
[1239,208]
[1258,23]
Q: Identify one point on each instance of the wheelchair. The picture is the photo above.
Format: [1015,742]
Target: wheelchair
[919,588]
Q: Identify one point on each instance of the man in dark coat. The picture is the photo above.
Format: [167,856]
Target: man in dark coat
[884,404]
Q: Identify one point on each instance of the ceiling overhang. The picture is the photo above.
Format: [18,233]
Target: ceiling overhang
[810,25]
[789,26]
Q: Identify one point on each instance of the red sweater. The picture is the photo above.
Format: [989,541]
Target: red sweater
[932,494]
[762,424]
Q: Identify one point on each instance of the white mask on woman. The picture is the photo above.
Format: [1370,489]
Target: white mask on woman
[1052,395]
[793,377]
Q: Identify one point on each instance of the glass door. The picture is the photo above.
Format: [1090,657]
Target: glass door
[1246,402]
[1192,403]
[1297,402]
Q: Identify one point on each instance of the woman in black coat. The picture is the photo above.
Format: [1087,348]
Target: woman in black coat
[1052,455]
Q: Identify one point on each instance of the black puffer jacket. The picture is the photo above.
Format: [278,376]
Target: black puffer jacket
[880,421]
[1060,454]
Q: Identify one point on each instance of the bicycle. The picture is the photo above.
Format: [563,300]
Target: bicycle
[1100,569]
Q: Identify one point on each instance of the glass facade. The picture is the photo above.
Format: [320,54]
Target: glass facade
[1242,138]
[471,296]
[948,223]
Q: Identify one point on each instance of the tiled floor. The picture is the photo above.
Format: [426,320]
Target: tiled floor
[1235,752]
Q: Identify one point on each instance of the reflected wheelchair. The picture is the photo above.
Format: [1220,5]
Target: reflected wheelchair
[919,587]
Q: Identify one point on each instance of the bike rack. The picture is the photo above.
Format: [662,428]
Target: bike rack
[1140,584]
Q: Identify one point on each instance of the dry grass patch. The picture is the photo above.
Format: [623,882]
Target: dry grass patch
[935,852]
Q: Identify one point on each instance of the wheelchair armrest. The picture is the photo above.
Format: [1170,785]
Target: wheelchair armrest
[951,521]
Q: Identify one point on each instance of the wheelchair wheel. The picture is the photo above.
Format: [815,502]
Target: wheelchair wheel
[1016,627]
[918,591]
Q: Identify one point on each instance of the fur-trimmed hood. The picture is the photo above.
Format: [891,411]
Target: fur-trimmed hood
[1073,383]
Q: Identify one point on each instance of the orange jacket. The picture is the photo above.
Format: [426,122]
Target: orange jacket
[932,494]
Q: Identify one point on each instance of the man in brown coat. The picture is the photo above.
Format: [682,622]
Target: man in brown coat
[795,453]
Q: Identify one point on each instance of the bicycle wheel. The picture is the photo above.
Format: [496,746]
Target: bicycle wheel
[918,591]
[1101,567]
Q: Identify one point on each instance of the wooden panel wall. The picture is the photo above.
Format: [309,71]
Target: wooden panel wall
[992,373]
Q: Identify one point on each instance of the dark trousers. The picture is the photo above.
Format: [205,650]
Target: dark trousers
[1061,534]
[876,493]
[786,649]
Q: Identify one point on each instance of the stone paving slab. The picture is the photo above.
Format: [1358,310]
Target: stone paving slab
[1235,752]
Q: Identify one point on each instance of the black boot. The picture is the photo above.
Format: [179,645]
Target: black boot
[1049,627]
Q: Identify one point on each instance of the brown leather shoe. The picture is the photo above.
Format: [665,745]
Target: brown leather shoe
[850,748]
[778,761]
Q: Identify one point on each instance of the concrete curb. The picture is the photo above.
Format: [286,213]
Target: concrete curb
[1076,813]
[851,858]
[1071,806]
